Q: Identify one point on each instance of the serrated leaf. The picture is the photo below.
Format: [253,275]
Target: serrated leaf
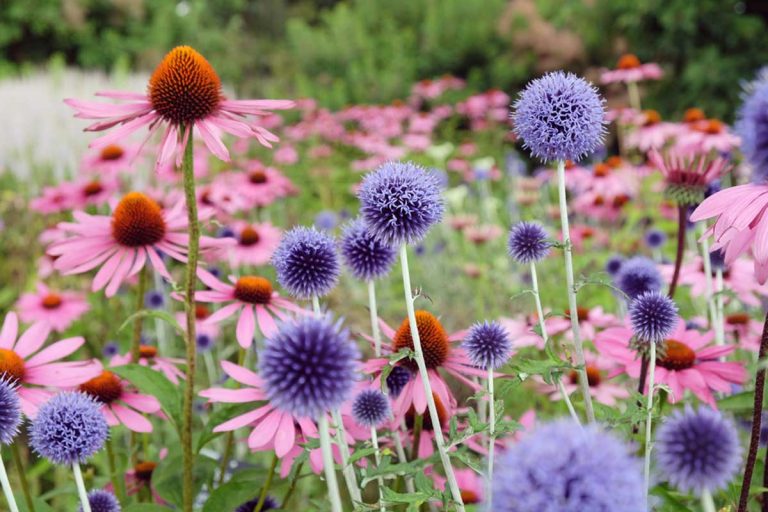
[392,497]
[154,383]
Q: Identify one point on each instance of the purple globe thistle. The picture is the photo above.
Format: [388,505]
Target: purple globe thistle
[10,411]
[653,317]
[638,275]
[613,265]
[400,201]
[488,345]
[528,242]
[154,299]
[561,466]
[250,505]
[655,238]
[397,379]
[326,220]
[110,349]
[68,428]
[752,126]
[366,256]
[306,262]
[204,341]
[560,116]
[371,408]
[717,260]
[309,367]
[698,450]
[102,501]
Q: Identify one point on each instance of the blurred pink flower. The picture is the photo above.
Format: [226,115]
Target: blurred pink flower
[57,309]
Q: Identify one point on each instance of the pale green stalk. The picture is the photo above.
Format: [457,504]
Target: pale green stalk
[634,95]
[649,417]
[374,318]
[708,285]
[7,490]
[81,488]
[707,503]
[328,469]
[491,437]
[719,298]
[377,457]
[347,469]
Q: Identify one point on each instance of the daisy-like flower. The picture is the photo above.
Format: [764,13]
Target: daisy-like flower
[148,357]
[684,361]
[256,243]
[260,185]
[184,93]
[630,69]
[120,402]
[650,131]
[110,160]
[57,309]
[76,194]
[253,297]
[687,174]
[32,369]
[591,321]
[708,135]
[601,388]
[138,230]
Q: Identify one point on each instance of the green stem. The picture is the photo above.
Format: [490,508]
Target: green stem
[189,307]
[491,436]
[707,503]
[347,469]
[267,485]
[137,324]
[328,466]
[7,490]
[84,503]
[634,95]
[117,483]
[292,486]
[649,417]
[374,318]
[418,427]
[22,474]
[377,457]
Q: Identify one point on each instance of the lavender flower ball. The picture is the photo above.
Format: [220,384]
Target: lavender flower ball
[306,262]
[752,126]
[698,450]
[371,408]
[565,468]
[309,367]
[717,260]
[613,265]
[653,317]
[528,242]
[10,411]
[638,275]
[488,345]
[367,257]
[560,116]
[102,501]
[250,505]
[397,379]
[399,202]
[655,238]
[68,428]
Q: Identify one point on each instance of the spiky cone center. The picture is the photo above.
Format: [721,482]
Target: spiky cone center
[582,313]
[202,312]
[651,117]
[184,87]
[737,319]
[686,194]
[93,188]
[693,115]
[52,301]
[253,290]
[711,127]
[442,414]
[106,388]
[469,497]
[601,170]
[111,152]
[137,221]
[11,365]
[257,177]
[614,162]
[434,340]
[143,471]
[675,355]
[594,376]
[628,61]
[147,352]
[249,237]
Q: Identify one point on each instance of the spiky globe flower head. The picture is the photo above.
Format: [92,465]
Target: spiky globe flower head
[10,411]
[717,260]
[655,238]
[653,317]
[366,256]
[371,408]
[309,367]
[638,275]
[397,379]
[613,265]
[250,505]
[488,345]
[561,466]
[68,428]
[698,450]
[752,126]
[102,501]
[528,242]
[560,116]
[307,263]
[399,202]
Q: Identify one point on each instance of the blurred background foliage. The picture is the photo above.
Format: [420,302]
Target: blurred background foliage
[366,51]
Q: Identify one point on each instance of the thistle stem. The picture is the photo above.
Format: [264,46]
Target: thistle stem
[21,472]
[347,469]
[577,344]
[491,437]
[81,488]
[7,490]
[189,308]
[117,483]
[708,287]
[267,485]
[316,305]
[419,356]
[377,458]
[707,503]
[634,95]
[328,469]
[649,417]
[401,457]
[374,318]
[682,214]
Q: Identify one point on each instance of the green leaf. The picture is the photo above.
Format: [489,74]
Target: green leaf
[230,495]
[152,382]
[166,478]
[416,498]
[737,403]
[153,313]
[360,453]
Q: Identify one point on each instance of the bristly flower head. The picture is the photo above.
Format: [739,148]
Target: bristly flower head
[371,408]
[752,126]
[613,265]
[10,411]
[397,379]
[655,238]
[400,201]
[69,428]
[528,242]
[307,263]
[309,367]
[366,256]
[698,450]
[638,275]
[561,466]
[488,345]
[653,317]
[560,116]
[250,505]
[102,501]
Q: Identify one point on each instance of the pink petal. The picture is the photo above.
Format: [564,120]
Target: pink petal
[32,339]
[266,322]
[264,432]
[223,313]
[10,331]
[243,420]
[241,375]
[144,403]
[132,419]
[246,327]
[56,351]
[285,437]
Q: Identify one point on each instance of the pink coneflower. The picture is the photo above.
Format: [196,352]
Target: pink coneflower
[184,92]
[708,135]
[591,320]
[684,362]
[76,194]
[57,309]
[521,332]
[255,243]
[22,361]
[148,357]
[744,330]
[110,160]
[253,297]
[471,485]
[687,174]
[119,402]
[650,132]
[630,69]
[260,185]
[138,230]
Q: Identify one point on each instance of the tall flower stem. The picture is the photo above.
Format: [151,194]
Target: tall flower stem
[682,218]
[374,318]
[117,483]
[634,95]
[348,470]
[21,472]
[8,491]
[570,282]
[188,456]
[267,485]
[292,486]
[491,436]
[707,503]
[757,415]
[719,306]
[81,488]
[377,458]
[401,457]
[708,287]
[419,356]
[328,467]
[139,321]
[649,416]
